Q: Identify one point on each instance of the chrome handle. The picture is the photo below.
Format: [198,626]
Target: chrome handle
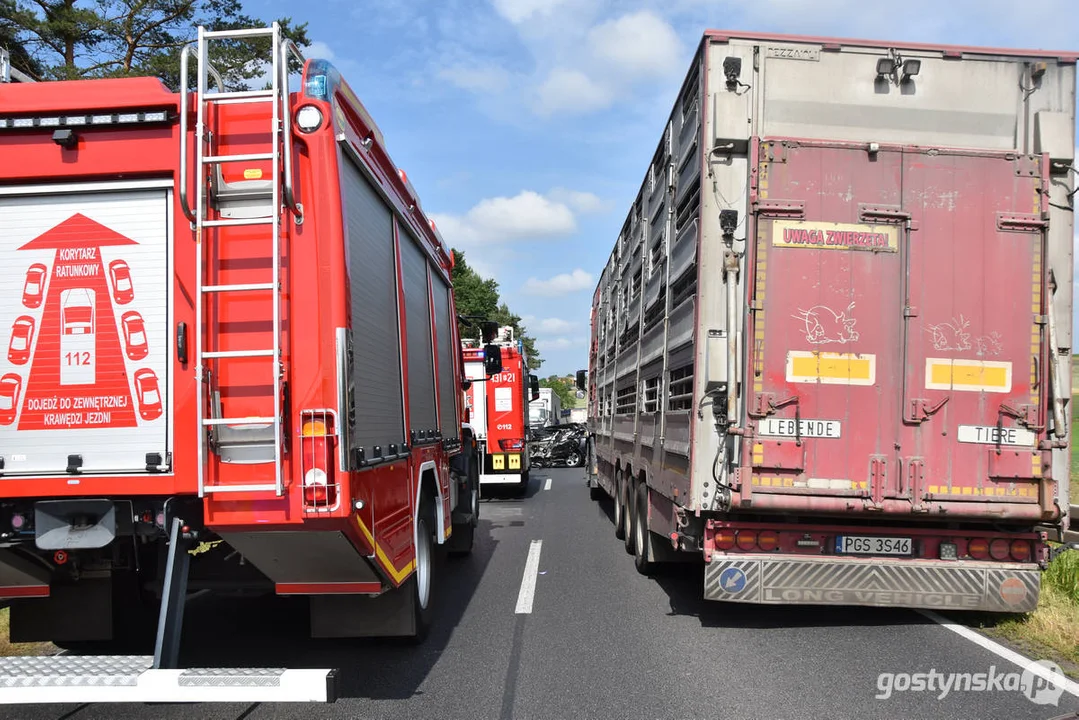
[184,204]
[288,48]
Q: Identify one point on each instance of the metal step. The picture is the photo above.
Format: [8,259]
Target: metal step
[237,353]
[209,489]
[238,421]
[249,157]
[133,679]
[238,221]
[238,287]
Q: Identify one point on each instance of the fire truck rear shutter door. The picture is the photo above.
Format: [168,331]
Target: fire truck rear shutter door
[447,383]
[375,339]
[421,374]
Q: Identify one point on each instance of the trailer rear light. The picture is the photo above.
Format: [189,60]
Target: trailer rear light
[747,539]
[768,540]
[1020,550]
[999,549]
[84,119]
[320,491]
[18,521]
[978,548]
[949,551]
[724,539]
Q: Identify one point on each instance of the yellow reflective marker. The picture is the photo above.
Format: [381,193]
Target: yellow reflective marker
[968,375]
[829,368]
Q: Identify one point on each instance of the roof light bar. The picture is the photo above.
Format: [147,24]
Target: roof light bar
[84,119]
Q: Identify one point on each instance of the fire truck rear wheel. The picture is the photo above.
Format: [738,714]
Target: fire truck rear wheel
[421,584]
[619,508]
[522,487]
[464,534]
[641,533]
[630,513]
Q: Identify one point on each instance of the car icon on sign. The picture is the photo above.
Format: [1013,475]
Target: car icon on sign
[33,291]
[122,290]
[134,335]
[149,394]
[10,385]
[22,337]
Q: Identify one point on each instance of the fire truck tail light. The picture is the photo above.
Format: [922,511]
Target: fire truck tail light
[978,548]
[768,540]
[747,539]
[724,539]
[511,443]
[1020,550]
[999,549]
[320,490]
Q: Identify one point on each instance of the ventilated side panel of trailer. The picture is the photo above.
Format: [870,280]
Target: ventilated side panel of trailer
[376,344]
[447,383]
[421,372]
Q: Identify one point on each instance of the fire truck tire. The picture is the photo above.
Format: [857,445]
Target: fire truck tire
[619,508]
[641,533]
[422,583]
[630,513]
[522,487]
[464,534]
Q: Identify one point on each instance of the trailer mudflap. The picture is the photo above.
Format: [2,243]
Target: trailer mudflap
[113,679]
[876,582]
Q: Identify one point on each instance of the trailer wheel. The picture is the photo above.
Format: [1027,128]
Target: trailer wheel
[630,514]
[421,584]
[619,508]
[641,533]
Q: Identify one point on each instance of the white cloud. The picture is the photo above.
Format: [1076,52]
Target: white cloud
[559,284]
[319,50]
[476,78]
[554,326]
[518,11]
[638,44]
[581,201]
[527,214]
[571,91]
[560,343]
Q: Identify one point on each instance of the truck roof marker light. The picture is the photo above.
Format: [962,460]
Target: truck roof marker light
[308,118]
[84,119]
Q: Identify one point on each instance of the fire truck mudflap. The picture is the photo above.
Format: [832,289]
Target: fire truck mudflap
[990,587]
[85,306]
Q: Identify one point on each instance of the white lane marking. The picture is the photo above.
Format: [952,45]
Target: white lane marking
[547,485]
[528,580]
[996,648]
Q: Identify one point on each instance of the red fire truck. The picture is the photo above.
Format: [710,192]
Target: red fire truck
[237,366]
[498,409]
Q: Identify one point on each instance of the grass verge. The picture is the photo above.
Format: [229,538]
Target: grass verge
[10,649]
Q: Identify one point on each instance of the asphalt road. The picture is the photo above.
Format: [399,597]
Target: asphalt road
[601,641]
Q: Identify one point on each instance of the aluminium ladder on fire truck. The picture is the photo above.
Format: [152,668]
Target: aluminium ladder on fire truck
[69,678]
[247,440]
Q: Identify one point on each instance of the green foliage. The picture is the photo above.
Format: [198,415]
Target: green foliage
[73,39]
[478,297]
[563,388]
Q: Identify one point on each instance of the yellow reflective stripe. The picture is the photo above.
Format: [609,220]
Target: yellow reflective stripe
[397,575]
[968,375]
[831,368]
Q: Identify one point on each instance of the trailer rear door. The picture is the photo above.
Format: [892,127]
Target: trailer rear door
[84,324]
[897,347]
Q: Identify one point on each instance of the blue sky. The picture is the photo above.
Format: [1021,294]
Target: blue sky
[526,126]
